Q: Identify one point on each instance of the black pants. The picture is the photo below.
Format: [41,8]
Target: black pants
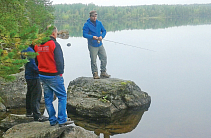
[33,97]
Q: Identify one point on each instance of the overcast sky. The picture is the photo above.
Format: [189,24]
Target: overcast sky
[130,2]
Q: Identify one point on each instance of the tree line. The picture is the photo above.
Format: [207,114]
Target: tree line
[77,12]
[22,23]
[72,17]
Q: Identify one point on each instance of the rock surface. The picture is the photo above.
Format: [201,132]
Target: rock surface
[63,34]
[44,130]
[103,97]
[2,107]
[14,93]
[34,130]
[21,126]
[13,119]
[77,132]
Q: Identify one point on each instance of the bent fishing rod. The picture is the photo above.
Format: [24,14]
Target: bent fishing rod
[128,45]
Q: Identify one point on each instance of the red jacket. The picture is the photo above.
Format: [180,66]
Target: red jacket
[50,58]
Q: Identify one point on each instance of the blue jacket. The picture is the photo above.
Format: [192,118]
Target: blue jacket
[90,30]
[31,69]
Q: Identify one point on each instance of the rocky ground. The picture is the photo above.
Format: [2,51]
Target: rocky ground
[86,96]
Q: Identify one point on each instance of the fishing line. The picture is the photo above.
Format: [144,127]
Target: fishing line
[129,45]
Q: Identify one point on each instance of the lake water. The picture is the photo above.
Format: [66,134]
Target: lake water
[176,76]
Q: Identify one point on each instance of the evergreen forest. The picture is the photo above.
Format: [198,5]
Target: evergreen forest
[22,23]
[73,16]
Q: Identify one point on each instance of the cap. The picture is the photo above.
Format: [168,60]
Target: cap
[92,13]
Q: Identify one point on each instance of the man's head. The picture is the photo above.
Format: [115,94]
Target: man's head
[54,32]
[93,15]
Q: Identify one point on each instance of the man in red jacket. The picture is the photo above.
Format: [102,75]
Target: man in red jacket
[51,68]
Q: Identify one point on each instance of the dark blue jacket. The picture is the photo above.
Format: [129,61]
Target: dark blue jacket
[90,30]
[31,69]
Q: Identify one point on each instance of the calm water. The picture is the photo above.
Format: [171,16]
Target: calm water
[176,76]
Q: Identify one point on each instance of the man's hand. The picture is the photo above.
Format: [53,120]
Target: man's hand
[95,37]
[100,38]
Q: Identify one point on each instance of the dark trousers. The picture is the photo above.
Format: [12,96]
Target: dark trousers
[33,97]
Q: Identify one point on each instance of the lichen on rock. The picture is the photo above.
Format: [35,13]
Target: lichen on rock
[103,97]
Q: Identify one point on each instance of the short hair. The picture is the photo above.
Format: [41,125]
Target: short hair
[54,28]
[93,13]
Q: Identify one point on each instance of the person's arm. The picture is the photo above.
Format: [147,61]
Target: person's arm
[86,32]
[32,61]
[33,65]
[103,30]
[59,59]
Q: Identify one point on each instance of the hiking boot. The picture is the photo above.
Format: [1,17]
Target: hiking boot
[104,75]
[41,119]
[66,123]
[54,124]
[95,76]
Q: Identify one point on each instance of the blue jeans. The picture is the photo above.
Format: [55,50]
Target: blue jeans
[51,85]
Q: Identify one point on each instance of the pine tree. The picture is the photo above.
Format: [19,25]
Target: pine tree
[22,23]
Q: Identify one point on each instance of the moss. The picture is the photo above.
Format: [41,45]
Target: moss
[123,83]
[1,100]
[122,87]
[105,99]
[104,93]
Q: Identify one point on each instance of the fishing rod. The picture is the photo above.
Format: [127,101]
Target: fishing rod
[69,44]
[129,45]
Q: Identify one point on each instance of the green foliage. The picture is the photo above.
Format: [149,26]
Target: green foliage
[73,16]
[22,23]
[105,99]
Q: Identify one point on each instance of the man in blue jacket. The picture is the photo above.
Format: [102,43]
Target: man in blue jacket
[94,31]
[34,91]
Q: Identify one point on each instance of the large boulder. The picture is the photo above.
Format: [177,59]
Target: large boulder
[44,130]
[103,97]
[13,94]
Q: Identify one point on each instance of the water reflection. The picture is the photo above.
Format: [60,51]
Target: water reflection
[122,122]
[75,28]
